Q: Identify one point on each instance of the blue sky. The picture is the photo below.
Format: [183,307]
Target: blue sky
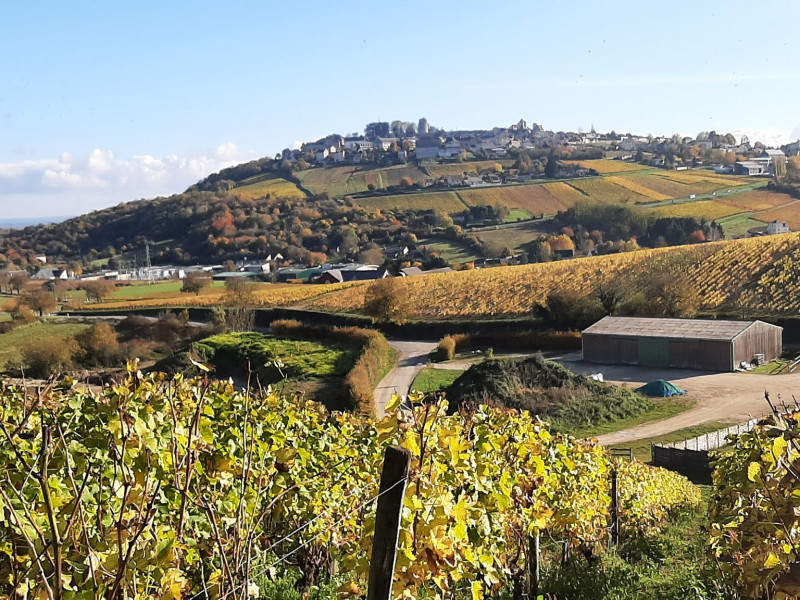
[103,102]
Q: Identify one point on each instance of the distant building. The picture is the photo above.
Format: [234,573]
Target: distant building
[422,127]
[749,167]
[778,227]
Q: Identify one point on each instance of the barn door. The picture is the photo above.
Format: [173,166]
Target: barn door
[654,352]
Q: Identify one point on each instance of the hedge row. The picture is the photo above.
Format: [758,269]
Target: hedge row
[376,359]
[452,344]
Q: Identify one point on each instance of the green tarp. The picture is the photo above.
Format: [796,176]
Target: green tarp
[661,389]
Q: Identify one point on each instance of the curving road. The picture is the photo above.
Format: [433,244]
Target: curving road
[727,397]
[411,358]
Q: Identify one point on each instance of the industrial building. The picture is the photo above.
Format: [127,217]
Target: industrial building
[708,345]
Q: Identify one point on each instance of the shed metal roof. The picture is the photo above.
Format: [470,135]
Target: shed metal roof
[706,329]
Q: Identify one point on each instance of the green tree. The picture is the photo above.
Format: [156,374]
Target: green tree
[195,282]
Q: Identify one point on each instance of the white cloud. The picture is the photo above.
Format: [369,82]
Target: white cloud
[768,137]
[70,185]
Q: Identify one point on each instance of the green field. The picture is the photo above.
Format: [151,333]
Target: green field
[146,290]
[517,214]
[663,408]
[431,379]
[301,359]
[452,252]
[16,341]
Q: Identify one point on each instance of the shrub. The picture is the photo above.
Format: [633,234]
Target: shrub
[45,358]
[446,349]
[98,345]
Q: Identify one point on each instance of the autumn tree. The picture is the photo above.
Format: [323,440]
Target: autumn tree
[99,290]
[98,345]
[40,300]
[195,282]
[386,301]
[18,281]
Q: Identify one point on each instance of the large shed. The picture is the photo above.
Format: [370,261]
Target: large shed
[709,345]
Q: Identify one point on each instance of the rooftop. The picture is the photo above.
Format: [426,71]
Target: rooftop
[706,329]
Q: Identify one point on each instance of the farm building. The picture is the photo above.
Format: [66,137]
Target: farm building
[680,343]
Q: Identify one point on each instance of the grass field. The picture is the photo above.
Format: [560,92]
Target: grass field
[517,214]
[702,209]
[604,166]
[535,198]
[663,408]
[433,380]
[738,225]
[14,343]
[262,186]
[447,202]
[513,237]
[147,290]
[452,252]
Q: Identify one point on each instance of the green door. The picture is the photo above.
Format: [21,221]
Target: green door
[654,352]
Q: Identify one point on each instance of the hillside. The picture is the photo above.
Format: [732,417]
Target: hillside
[756,275]
[260,208]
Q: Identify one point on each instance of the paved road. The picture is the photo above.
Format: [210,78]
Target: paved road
[731,397]
[411,358]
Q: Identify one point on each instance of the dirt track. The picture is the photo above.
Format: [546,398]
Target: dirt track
[411,358]
[732,397]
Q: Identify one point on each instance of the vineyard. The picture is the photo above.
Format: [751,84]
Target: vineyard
[756,507]
[757,200]
[639,186]
[446,202]
[607,192]
[604,166]
[466,167]
[723,271]
[340,181]
[188,488]
[262,186]
[536,199]
[703,209]
[263,295]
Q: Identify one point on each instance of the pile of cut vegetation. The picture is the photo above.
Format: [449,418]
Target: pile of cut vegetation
[548,390]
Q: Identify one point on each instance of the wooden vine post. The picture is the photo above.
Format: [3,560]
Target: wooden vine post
[614,513]
[388,516]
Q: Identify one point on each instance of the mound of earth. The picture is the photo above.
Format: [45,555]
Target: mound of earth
[548,390]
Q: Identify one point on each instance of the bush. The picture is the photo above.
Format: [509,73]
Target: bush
[446,349]
[45,358]
[98,345]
